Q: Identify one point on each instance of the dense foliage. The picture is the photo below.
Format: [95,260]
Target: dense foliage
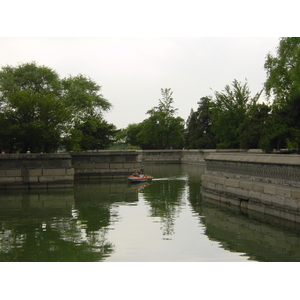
[162,130]
[199,134]
[283,84]
[237,120]
[41,112]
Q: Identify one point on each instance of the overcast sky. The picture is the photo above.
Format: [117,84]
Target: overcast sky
[133,49]
[132,71]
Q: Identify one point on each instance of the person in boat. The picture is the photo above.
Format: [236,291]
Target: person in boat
[141,173]
[135,173]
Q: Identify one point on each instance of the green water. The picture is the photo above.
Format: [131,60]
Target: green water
[166,220]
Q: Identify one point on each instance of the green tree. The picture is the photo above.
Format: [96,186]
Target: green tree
[88,130]
[28,77]
[231,108]
[82,95]
[38,110]
[199,133]
[162,129]
[254,124]
[132,134]
[95,134]
[283,84]
[32,115]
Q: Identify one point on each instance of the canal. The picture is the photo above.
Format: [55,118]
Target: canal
[113,221]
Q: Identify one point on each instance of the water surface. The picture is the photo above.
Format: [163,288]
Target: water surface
[166,220]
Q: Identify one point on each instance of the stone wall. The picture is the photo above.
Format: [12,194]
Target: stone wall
[105,164]
[193,156]
[162,156]
[59,169]
[35,171]
[260,182]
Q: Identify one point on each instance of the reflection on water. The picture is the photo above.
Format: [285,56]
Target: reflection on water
[166,220]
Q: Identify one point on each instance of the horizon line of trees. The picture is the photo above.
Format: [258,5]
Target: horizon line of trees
[40,112]
[233,119]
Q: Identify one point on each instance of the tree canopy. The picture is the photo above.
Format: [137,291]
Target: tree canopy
[39,111]
[162,129]
[283,84]
[230,110]
[198,134]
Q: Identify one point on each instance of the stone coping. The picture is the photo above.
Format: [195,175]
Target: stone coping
[104,153]
[278,159]
[35,156]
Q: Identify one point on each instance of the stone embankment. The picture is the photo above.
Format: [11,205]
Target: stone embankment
[60,169]
[36,171]
[193,156]
[266,183]
[110,164]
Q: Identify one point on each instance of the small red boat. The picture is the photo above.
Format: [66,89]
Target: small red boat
[136,179]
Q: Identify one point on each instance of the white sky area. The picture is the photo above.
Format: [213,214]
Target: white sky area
[133,49]
[132,71]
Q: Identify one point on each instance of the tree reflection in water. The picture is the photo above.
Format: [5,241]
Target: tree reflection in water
[165,201]
[59,225]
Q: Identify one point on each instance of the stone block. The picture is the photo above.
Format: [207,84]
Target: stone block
[254,195]
[35,172]
[70,171]
[220,187]
[297,218]
[242,193]
[278,201]
[266,199]
[13,173]
[230,201]
[31,179]
[116,166]
[247,185]
[221,180]
[37,185]
[63,178]
[85,166]
[19,179]
[258,187]
[6,180]
[269,210]
[295,193]
[128,166]
[232,183]
[54,172]
[270,189]
[206,194]
[292,204]
[230,189]
[101,166]
[256,207]
[44,179]
[287,216]
[282,191]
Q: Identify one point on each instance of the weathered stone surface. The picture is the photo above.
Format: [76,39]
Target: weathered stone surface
[270,183]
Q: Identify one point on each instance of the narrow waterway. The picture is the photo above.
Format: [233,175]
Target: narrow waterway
[114,221]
